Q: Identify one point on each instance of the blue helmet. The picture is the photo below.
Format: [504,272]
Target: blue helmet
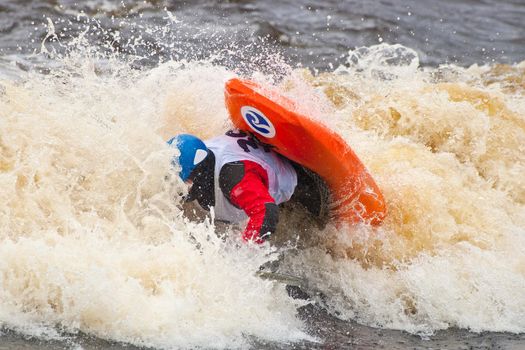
[192,152]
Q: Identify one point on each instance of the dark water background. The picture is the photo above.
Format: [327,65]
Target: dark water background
[313,34]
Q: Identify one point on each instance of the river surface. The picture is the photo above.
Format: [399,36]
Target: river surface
[96,251]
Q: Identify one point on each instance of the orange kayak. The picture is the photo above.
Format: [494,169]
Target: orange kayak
[271,117]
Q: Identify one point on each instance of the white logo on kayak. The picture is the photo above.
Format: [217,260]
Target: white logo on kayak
[258,121]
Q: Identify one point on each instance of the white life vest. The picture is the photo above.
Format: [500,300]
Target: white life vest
[236,146]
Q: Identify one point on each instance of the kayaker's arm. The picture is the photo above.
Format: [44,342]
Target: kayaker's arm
[245,185]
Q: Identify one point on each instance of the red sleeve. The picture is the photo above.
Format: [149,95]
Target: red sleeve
[251,195]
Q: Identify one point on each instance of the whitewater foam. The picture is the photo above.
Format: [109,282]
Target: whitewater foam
[93,238]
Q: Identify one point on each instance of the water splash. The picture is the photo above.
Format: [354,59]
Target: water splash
[94,240]
[446,151]
[93,236]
